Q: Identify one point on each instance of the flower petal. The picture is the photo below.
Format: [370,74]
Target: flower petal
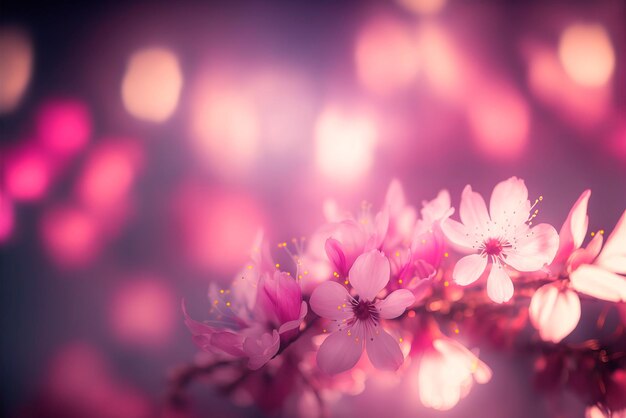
[288,326]
[499,284]
[509,202]
[554,312]
[468,269]
[574,228]
[599,283]
[261,349]
[384,351]
[370,274]
[327,301]
[534,248]
[457,234]
[395,304]
[339,352]
[613,255]
[455,351]
[228,342]
[473,210]
[335,254]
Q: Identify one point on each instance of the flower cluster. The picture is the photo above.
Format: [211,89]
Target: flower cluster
[399,286]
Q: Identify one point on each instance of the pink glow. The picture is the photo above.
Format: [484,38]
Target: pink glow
[500,121]
[109,174]
[15,67]
[152,84]
[423,7]
[442,63]
[70,235]
[7,217]
[27,174]
[587,55]
[219,227]
[386,56]
[344,144]
[225,125]
[580,105]
[80,380]
[64,126]
[143,312]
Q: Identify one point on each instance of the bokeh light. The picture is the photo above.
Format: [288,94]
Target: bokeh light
[7,217]
[386,56]
[27,174]
[423,7]
[344,144]
[80,382]
[109,173]
[587,54]
[15,67]
[71,236]
[225,126]
[499,118]
[143,312]
[152,84]
[218,227]
[64,126]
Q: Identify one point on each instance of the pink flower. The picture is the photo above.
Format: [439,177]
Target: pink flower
[502,236]
[555,307]
[357,318]
[446,373]
[263,307]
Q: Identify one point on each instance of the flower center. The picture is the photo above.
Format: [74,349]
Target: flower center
[493,247]
[364,310]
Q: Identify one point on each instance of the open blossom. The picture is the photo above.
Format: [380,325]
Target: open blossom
[555,307]
[502,236]
[249,320]
[357,317]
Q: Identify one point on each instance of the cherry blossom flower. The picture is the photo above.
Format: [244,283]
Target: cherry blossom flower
[555,307]
[502,235]
[356,318]
[249,320]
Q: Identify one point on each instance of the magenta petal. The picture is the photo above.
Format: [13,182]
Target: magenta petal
[336,256]
[574,228]
[291,325]
[339,352]
[468,269]
[328,300]
[473,210]
[229,343]
[395,304]
[384,351]
[261,349]
[499,284]
[370,274]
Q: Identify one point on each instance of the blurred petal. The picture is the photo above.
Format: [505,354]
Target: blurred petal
[473,210]
[554,312]
[336,256]
[288,326]
[509,202]
[601,284]
[261,349]
[327,301]
[384,351]
[395,304]
[613,255]
[574,228]
[468,269]
[370,274]
[499,284]
[339,352]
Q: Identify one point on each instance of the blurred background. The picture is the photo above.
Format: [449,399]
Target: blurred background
[144,144]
